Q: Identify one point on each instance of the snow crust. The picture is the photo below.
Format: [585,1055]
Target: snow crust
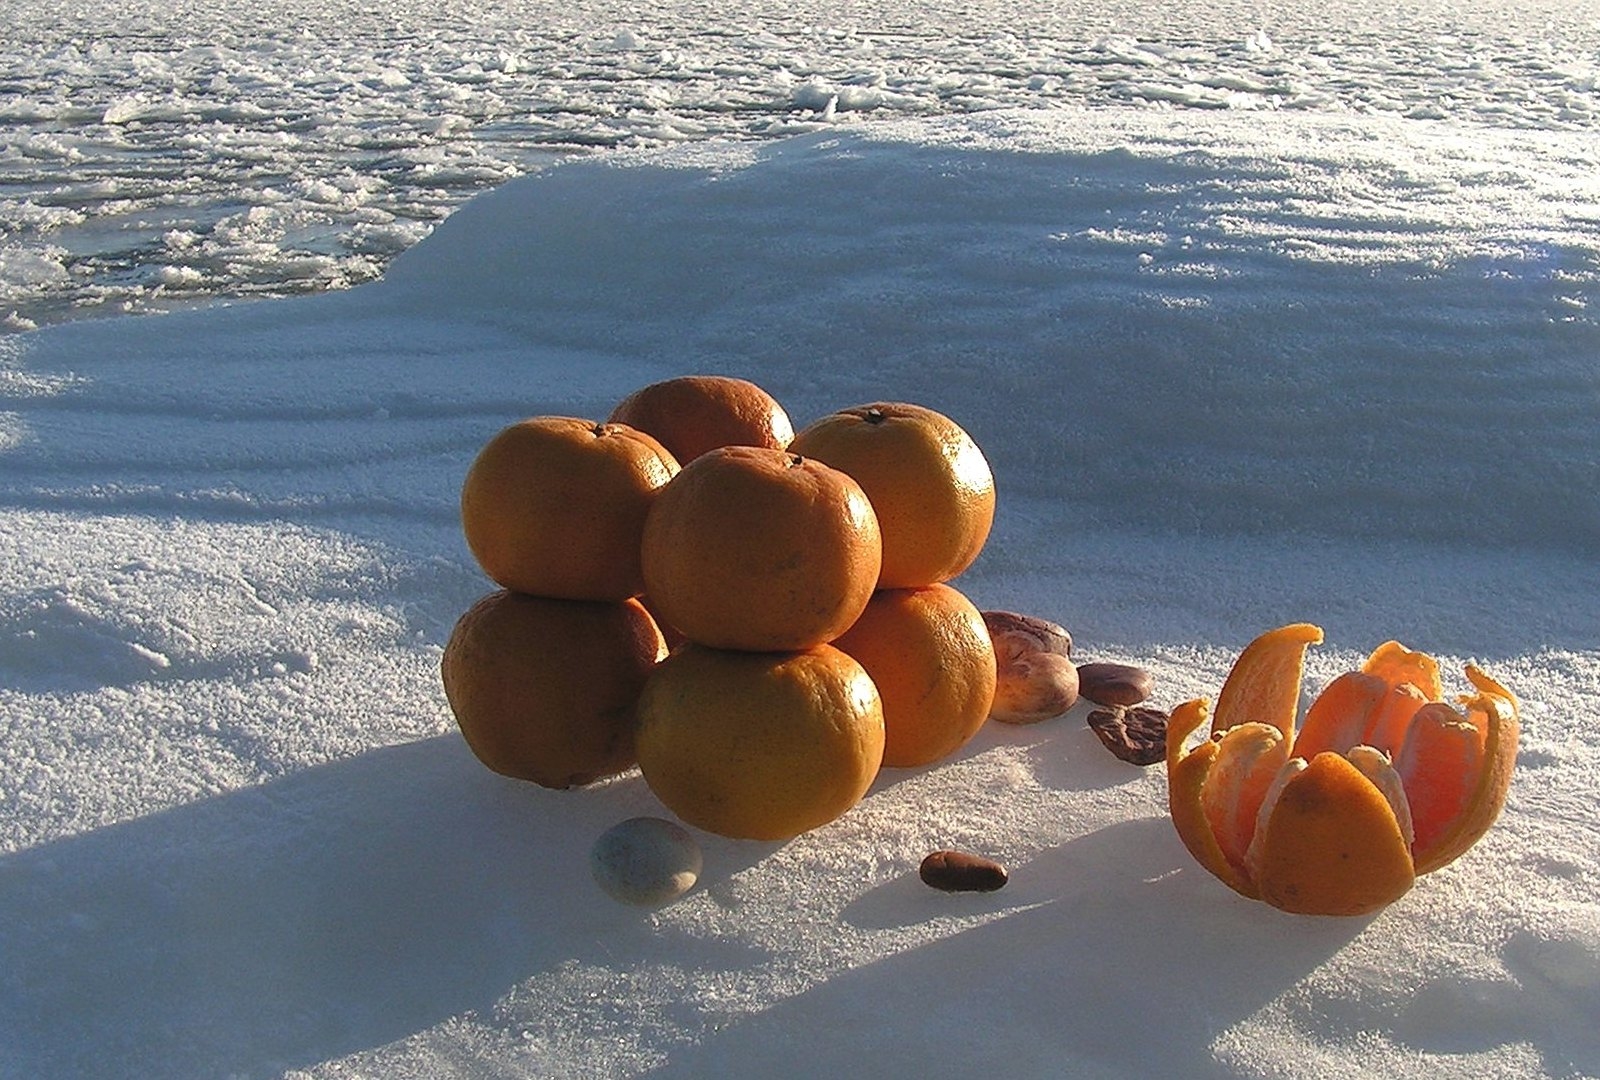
[1229,375]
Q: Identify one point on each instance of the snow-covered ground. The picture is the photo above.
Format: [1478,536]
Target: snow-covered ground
[1233,368]
[160,153]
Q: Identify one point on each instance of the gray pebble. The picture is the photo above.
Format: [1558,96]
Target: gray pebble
[646,861]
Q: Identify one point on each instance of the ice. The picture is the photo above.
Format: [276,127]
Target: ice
[186,117]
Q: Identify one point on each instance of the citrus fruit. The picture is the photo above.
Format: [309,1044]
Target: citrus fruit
[755,548]
[1384,781]
[695,413]
[759,746]
[544,689]
[930,654]
[930,485]
[555,506]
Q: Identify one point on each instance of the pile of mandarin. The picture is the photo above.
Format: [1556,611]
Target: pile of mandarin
[800,580]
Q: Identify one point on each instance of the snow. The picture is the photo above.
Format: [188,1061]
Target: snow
[1229,373]
[121,120]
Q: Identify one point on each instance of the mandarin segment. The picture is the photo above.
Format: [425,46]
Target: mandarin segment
[1248,759]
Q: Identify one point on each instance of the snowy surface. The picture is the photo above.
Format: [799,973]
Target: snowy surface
[159,153]
[1230,373]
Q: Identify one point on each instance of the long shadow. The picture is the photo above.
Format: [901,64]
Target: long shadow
[1102,967]
[336,910]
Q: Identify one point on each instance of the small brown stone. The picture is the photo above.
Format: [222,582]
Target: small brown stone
[1106,683]
[1137,734]
[960,871]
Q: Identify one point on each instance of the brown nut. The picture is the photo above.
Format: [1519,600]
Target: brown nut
[1034,678]
[1137,735]
[959,871]
[1114,684]
[1052,637]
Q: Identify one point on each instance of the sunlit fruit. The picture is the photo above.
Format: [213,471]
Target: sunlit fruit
[929,652]
[695,413]
[930,485]
[555,506]
[761,549]
[1384,780]
[759,746]
[545,689]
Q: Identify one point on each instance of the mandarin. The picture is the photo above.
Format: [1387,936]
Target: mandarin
[930,485]
[759,549]
[544,689]
[695,413]
[555,506]
[759,746]
[931,656]
[1383,782]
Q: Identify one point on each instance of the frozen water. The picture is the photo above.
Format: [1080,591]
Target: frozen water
[156,154]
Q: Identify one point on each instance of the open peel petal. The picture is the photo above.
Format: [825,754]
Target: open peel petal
[1395,664]
[1328,843]
[1456,768]
[1264,685]
[1186,776]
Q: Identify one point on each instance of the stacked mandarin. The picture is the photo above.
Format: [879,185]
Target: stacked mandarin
[801,581]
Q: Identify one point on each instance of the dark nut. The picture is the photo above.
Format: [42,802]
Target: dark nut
[1051,637]
[958,871]
[1113,684]
[1034,679]
[1137,735]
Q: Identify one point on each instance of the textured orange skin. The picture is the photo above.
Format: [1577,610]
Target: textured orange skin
[762,550]
[930,654]
[695,413]
[929,483]
[1186,776]
[555,506]
[1494,710]
[1332,843]
[1332,846]
[759,746]
[544,690]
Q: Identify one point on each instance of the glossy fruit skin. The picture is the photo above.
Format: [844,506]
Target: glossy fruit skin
[759,746]
[545,689]
[1382,783]
[929,652]
[555,506]
[692,414]
[929,483]
[761,550]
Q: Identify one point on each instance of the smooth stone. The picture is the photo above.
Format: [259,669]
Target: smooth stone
[646,861]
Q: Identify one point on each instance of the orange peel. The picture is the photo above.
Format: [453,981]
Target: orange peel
[1382,782]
